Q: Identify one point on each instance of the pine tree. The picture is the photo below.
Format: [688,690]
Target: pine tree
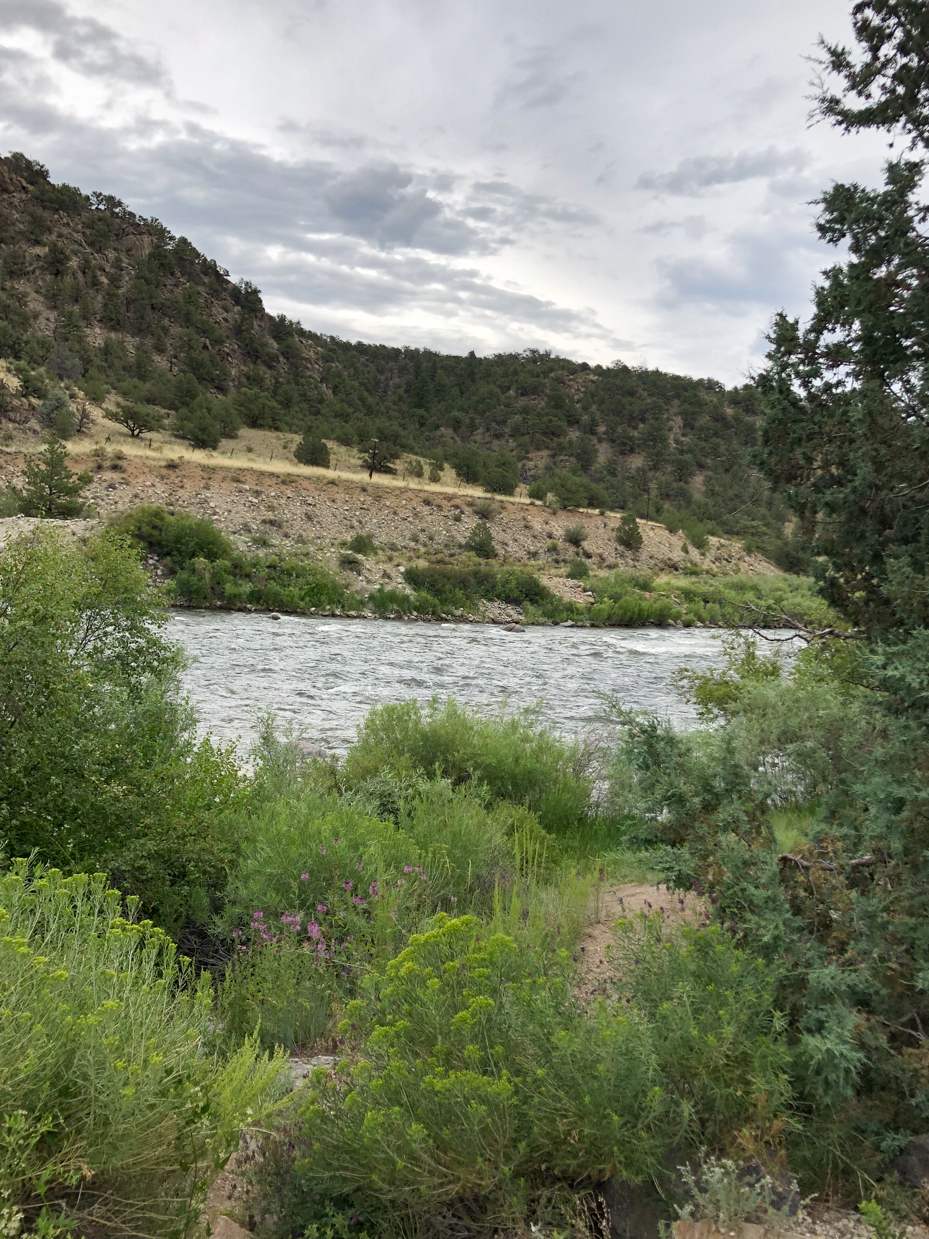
[311,450]
[50,488]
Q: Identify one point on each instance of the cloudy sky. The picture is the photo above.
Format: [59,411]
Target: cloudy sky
[606,178]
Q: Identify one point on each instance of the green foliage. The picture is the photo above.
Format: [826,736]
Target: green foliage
[177,538]
[57,413]
[628,533]
[710,1009]
[50,488]
[138,418]
[576,535]
[362,544]
[879,1222]
[210,572]
[462,587]
[480,541]
[578,570]
[844,397]
[198,425]
[473,1063]
[117,1112]
[100,766]
[311,450]
[512,756]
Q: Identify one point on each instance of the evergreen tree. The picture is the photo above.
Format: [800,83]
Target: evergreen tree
[846,428]
[480,541]
[311,450]
[628,533]
[50,488]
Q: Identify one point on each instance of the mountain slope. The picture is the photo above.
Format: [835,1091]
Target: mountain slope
[95,296]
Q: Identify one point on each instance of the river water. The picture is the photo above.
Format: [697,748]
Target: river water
[323,675]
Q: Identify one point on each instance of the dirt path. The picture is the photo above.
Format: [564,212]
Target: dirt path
[596,968]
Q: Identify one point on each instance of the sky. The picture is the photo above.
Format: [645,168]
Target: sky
[608,179]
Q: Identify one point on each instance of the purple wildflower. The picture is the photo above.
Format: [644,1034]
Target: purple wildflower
[321,907]
[304,877]
[347,886]
[313,930]
[322,851]
[407,868]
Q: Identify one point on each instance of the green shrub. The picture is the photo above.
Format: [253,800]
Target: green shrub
[116,1110]
[459,587]
[715,1032]
[198,425]
[362,544]
[471,1095]
[578,570]
[390,601]
[177,538]
[513,756]
[576,535]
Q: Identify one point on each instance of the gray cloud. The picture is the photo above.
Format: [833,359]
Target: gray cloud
[538,79]
[691,176]
[83,43]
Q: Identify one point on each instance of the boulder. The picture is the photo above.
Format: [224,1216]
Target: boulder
[912,1165]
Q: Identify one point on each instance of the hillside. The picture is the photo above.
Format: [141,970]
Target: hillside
[93,296]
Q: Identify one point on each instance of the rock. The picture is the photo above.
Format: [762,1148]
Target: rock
[635,1210]
[225,1228]
[513,628]
[274,615]
[913,1163]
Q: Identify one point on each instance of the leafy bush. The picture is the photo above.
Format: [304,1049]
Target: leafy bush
[116,1111]
[458,587]
[578,570]
[210,572]
[513,756]
[100,766]
[576,535]
[474,1064]
[177,538]
[362,544]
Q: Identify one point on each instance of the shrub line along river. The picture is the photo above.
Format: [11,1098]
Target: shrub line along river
[322,675]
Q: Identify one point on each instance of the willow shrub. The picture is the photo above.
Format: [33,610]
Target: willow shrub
[117,1111]
[477,1087]
[513,756]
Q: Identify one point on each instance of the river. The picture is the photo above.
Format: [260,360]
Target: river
[323,675]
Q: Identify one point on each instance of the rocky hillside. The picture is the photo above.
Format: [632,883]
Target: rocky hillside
[120,309]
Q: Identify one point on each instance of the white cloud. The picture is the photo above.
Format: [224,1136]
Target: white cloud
[468,176]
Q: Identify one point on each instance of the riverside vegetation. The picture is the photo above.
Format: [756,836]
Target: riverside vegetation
[416,908]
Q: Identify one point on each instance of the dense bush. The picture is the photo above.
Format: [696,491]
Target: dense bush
[459,587]
[470,1096]
[116,1111]
[100,766]
[210,572]
[512,756]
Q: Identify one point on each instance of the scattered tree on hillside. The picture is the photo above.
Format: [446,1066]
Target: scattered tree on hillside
[137,418]
[311,450]
[50,488]
[628,533]
[480,541]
